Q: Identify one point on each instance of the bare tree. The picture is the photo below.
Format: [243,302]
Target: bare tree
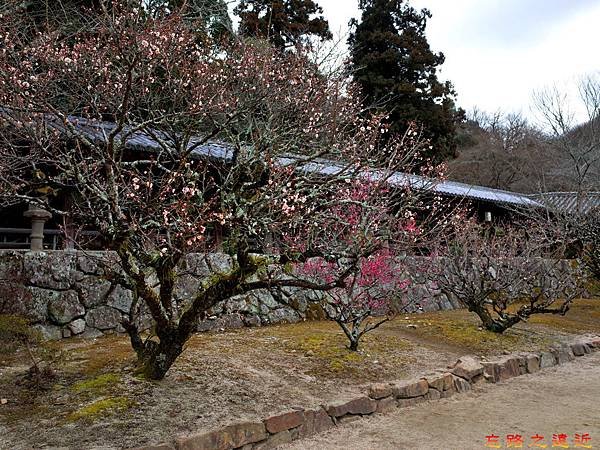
[578,143]
[506,278]
[161,141]
[503,151]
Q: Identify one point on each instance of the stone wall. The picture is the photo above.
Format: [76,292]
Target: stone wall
[68,293]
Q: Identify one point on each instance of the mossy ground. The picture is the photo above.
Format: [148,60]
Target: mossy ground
[89,374]
[326,344]
[583,317]
[248,372]
[98,385]
[101,408]
[461,329]
[320,348]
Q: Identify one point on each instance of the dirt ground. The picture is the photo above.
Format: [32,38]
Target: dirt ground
[96,400]
[559,400]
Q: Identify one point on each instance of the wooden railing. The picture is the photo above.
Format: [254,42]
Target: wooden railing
[18,238]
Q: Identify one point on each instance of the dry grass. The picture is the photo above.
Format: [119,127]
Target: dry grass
[247,373]
[460,329]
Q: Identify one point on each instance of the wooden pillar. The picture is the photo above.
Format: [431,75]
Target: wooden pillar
[218,237]
[68,228]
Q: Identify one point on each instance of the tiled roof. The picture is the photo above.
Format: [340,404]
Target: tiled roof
[570,202]
[456,189]
[149,141]
[446,188]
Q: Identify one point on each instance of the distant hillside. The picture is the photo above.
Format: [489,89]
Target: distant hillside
[507,153]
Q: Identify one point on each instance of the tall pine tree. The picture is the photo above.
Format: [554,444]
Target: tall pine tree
[285,23]
[397,71]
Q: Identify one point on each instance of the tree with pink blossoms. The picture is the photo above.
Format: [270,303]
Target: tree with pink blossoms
[365,297]
[245,143]
[368,234]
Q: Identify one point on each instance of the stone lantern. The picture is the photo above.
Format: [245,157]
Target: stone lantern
[38,219]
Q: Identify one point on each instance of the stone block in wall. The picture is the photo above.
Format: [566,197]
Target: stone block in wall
[49,332]
[444,303]
[460,384]
[246,433]
[467,367]
[522,363]
[77,326]
[91,333]
[562,354]
[285,421]
[34,303]
[440,381]
[447,394]
[216,310]
[54,270]
[93,290]
[219,262]
[93,263]
[120,298]
[490,371]
[502,369]
[386,405]
[315,421]
[103,318]
[225,439]
[410,389]
[208,325]
[232,321]
[275,441]
[298,301]
[15,298]
[233,436]
[195,265]
[186,287]
[264,299]
[283,315]
[360,405]
[11,265]
[547,359]
[532,363]
[251,320]
[433,394]
[578,349]
[241,304]
[380,390]
[228,321]
[65,307]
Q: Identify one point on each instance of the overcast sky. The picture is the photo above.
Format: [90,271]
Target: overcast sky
[499,51]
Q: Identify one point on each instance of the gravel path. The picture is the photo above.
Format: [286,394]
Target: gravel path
[563,399]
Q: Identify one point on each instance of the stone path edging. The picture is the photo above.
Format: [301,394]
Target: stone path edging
[284,428]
